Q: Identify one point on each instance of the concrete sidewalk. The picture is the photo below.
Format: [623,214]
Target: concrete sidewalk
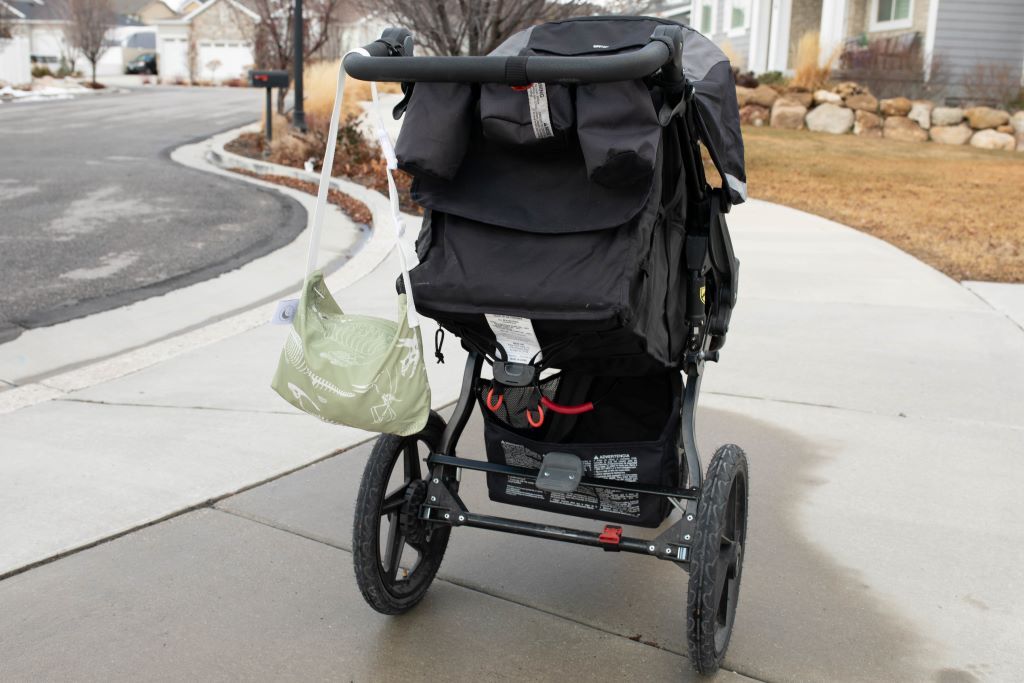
[878,401]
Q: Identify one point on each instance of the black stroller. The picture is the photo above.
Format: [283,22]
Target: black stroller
[572,242]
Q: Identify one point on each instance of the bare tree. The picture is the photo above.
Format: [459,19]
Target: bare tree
[273,32]
[88,22]
[475,27]
[6,22]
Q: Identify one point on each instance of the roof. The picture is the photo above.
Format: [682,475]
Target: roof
[36,10]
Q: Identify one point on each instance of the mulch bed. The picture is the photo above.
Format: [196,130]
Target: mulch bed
[350,206]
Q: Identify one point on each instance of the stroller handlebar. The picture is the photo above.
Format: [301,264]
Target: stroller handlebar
[509,70]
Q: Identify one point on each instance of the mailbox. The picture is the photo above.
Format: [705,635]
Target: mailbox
[268,79]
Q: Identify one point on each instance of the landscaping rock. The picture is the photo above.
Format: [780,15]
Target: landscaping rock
[981,118]
[763,95]
[743,95]
[830,118]
[804,97]
[903,129]
[848,88]
[755,115]
[826,97]
[862,102]
[921,111]
[1017,121]
[952,135]
[896,106]
[788,114]
[1006,128]
[1020,142]
[993,139]
[947,116]
[867,124]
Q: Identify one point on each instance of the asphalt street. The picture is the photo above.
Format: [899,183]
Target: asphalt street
[94,214]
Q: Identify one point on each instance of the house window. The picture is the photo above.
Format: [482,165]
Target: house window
[707,16]
[887,15]
[739,16]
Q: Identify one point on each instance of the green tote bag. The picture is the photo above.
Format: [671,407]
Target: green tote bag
[354,370]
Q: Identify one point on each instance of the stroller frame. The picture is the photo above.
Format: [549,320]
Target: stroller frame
[708,539]
[445,506]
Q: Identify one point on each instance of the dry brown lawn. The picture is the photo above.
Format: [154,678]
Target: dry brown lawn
[959,209]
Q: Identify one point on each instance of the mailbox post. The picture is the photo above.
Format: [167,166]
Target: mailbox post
[268,80]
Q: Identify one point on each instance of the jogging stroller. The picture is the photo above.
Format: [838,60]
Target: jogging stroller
[571,240]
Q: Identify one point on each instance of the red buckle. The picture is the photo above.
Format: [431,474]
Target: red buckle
[611,536]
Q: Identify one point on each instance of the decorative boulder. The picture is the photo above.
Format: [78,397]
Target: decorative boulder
[921,112]
[867,124]
[896,106]
[959,134]
[903,129]
[763,95]
[830,118]
[755,115]
[804,97]
[1020,142]
[848,88]
[788,114]
[947,116]
[981,118]
[1017,121]
[743,95]
[1005,128]
[993,139]
[862,102]
[826,97]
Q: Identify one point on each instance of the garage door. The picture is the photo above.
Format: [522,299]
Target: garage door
[220,60]
[172,61]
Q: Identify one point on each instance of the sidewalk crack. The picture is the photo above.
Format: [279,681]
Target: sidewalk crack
[126,404]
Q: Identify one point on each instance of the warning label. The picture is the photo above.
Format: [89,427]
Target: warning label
[615,466]
[516,336]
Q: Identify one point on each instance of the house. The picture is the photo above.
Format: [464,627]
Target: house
[213,42]
[220,35]
[906,39]
[37,36]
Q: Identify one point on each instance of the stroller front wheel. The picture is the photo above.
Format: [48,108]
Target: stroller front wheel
[717,561]
[396,554]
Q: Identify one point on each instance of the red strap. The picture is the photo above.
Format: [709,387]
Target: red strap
[567,410]
[494,406]
[540,417]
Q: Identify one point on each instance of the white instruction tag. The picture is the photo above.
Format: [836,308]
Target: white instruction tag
[540,116]
[285,312]
[516,336]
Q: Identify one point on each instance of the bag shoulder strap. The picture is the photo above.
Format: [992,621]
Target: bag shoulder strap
[325,181]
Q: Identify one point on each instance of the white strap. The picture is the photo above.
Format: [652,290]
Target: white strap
[325,180]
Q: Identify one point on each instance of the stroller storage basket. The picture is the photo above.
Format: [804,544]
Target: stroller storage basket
[631,435]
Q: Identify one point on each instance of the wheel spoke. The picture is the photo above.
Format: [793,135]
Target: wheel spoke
[393,501]
[412,461]
[395,544]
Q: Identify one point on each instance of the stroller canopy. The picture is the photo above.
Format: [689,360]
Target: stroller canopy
[706,68]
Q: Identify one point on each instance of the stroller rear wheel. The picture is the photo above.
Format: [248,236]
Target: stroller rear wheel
[396,554]
[717,561]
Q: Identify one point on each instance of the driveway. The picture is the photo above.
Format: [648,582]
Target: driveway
[94,214]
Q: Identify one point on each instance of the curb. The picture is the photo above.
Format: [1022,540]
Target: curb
[374,250]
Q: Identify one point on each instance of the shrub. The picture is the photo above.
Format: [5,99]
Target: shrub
[773,78]
[808,75]
[40,71]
